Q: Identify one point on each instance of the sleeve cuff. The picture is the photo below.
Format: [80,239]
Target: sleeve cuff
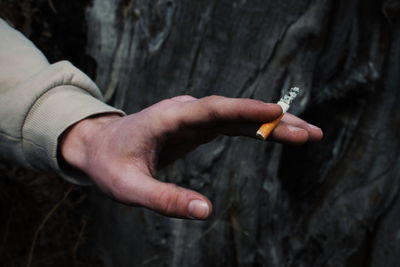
[49,117]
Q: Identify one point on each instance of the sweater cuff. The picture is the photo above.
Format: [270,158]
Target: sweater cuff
[53,113]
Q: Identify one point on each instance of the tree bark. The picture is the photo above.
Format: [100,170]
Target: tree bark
[334,203]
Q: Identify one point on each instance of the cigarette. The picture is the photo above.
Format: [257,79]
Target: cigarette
[266,129]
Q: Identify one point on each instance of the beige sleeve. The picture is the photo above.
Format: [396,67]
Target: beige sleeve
[38,102]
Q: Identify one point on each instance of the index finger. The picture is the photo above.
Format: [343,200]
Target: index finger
[212,110]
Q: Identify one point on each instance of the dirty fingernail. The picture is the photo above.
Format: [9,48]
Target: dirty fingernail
[198,209]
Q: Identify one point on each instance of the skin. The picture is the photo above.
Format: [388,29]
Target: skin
[122,154]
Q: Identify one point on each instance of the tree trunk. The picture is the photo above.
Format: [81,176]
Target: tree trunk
[334,203]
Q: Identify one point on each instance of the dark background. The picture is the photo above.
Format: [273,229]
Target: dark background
[334,203]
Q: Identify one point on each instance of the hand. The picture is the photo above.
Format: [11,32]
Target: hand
[122,154]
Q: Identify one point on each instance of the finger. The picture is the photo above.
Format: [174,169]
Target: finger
[175,201]
[315,133]
[284,133]
[214,110]
[289,134]
[290,123]
[168,199]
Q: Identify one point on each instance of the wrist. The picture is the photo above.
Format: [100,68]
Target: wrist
[75,144]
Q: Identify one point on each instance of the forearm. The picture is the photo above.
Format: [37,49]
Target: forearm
[39,102]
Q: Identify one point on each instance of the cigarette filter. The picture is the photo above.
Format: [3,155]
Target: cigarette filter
[265,130]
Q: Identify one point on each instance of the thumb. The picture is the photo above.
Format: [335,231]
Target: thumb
[165,198]
[175,201]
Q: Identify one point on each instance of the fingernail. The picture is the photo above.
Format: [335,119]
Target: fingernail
[313,127]
[274,105]
[292,128]
[198,209]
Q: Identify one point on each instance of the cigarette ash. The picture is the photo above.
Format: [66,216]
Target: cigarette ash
[291,95]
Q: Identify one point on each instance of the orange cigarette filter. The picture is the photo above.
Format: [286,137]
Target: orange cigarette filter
[266,129]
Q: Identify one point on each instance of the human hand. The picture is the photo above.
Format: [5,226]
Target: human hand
[122,154]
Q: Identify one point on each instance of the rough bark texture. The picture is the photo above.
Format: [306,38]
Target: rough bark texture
[334,203]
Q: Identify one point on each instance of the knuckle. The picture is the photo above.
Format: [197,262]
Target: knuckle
[167,200]
[166,102]
[212,99]
[212,105]
[165,116]
[171,119]
[183,98]
[302,125]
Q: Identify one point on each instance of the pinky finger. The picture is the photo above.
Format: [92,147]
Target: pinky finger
[315,133]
